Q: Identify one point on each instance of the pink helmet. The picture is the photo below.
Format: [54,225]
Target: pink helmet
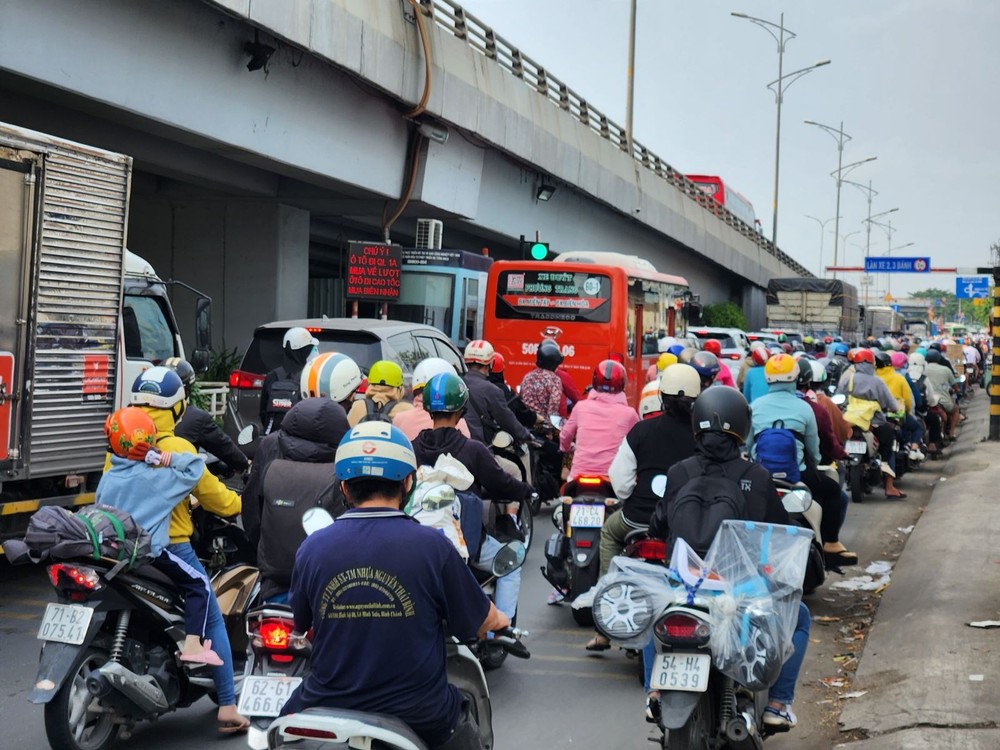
[899,360]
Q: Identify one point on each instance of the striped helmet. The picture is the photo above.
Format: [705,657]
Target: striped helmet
[330,375]
[375,450]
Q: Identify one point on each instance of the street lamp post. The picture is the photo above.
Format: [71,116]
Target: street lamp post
[631,77]
[888,280]
[870,193]
[783,35]
[822,231]
[871,220]
[841,138]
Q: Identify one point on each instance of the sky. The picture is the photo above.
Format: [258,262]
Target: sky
[915,83]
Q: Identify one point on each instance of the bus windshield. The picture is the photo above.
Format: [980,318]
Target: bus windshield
[553,295]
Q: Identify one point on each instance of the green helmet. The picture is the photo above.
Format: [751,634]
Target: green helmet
[445,393]
[782,338]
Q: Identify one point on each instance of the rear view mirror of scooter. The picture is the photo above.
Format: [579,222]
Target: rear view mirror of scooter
[247,435]
[839,399]
[315,519]
[797,500]
[509,558]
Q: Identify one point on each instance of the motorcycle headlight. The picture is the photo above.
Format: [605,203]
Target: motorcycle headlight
[622,610]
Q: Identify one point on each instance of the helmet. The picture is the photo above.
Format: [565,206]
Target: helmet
[159,387]
[828,339]
[680,380]
[797,346]
[445,393]
[428,368]
[882,359]
[805,373]
[665,360]
[760,355]
[721,410]
[864,355]
[610,377]
[376,450]
[712,345]
[782,338]
[807,340]
[818,372]
[840,349]
[707,365]
[686,355]
[933,356]
[128,427]
[183,369]
[781,368]
[649,400]
[676,350]
[917,359]
[330,375]
[298,338]
[548,356]
[786,347]
[898,360]
[498,364]
[934,345]
[387,373]
[479,352]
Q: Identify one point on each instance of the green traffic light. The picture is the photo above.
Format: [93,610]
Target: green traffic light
[539,251]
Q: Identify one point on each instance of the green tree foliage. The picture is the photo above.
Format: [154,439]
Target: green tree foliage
[724,315]
[945,306]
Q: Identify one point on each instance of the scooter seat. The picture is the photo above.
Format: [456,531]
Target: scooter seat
[149,573]
[382,722]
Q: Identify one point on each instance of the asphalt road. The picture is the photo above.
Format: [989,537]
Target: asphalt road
[563,697]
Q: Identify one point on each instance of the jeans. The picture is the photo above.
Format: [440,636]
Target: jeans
[509,586]
[913,431]
[215,631]
[783,690]
[648,654]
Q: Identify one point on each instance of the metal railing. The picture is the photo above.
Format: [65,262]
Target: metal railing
[450,16]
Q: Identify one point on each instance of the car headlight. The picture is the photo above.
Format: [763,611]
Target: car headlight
[622,610]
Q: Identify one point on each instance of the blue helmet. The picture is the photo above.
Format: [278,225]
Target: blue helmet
[375,450]
[676,350]
[159,387]
[840,349]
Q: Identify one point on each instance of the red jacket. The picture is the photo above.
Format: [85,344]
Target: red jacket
[570,392]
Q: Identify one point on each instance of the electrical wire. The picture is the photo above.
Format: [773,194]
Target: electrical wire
[428,72]
[415,143]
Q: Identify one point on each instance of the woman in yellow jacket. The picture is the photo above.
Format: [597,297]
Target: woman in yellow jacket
[160,393]
[901,391]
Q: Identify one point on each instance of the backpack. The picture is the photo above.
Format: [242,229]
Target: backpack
[776,449]
[710,496]
[376,413]
[282,396]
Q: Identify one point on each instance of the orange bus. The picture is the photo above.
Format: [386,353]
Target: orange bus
[596,305]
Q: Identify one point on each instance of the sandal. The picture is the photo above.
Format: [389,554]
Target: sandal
[205,656]
[840,558]
[898,496]
[598,643]
[234,727]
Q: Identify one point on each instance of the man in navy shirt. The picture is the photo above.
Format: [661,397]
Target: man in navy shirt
[376,587]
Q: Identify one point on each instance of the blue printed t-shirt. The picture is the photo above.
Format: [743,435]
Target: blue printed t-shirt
[376,587]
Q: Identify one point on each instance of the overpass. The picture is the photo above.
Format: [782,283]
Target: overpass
[249,183]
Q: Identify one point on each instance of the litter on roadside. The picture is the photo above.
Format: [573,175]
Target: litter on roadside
[985,624]
[825,619]
[975,678]
[833,682]
[905,529]
[855,694]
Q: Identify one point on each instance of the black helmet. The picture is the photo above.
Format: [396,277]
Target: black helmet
[933,355]
[183,369]
[805,373]
[548,357]
[882,359]
[721,409]
[936,345]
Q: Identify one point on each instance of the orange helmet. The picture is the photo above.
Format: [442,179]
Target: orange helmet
[128,427]
[499,363]
[864,355]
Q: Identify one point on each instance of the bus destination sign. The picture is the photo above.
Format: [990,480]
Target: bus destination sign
[373,271]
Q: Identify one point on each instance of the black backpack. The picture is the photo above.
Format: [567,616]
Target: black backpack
[710,496]
[376,413]
[282,396]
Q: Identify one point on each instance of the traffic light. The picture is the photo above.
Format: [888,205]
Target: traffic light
[539,251]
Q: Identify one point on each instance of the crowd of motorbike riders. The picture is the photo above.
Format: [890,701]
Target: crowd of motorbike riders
[351,443]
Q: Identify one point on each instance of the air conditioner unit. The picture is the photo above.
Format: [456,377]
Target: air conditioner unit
[429,233]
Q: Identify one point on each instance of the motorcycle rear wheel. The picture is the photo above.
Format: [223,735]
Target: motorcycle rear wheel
[857,483]
[581,580]
[69,724]
[697,732]
[526,516]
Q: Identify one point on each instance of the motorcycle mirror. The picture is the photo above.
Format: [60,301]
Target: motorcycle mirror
[315,519]
[509,558]
[247,435]
[556,420]
[839,399]
[961,378]
[503,440]
[797,500]
[440,496]
[659,485]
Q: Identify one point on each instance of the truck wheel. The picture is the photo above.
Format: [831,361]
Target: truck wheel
[71,723]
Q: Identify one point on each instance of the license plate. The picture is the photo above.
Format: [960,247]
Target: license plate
[684,672]
[65,623]
[856,446]
[586,516]
[265,696]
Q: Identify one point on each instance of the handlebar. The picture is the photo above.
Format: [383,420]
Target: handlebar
[510,639]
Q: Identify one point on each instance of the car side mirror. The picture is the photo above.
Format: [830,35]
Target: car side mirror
[203,323]
[200,360]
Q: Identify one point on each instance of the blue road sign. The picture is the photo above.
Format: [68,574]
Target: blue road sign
[970,287]
[897,265]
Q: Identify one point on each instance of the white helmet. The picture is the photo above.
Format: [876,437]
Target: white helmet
[917,363]
[479,352]
[649,400]
[680,380]
[333,375]
[818,371]
[428,368]
[298,338]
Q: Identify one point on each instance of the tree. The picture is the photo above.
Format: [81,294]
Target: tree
[724,315]
[946,306]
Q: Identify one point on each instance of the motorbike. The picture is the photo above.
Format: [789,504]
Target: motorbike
[278,661]
[571,553]
[503,446]
[110,644]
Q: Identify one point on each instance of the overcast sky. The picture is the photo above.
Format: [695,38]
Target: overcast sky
[915,82]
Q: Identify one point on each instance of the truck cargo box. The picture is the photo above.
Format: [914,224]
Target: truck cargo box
[813,305]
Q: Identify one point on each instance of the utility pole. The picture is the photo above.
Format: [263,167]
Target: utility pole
[631,76]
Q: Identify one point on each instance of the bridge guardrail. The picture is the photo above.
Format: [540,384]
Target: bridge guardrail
[450,16]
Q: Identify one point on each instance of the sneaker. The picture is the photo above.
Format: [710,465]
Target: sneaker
[653,708]
[555,597]
[916,455]
[780,719]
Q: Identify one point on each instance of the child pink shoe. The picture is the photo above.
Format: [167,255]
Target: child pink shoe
[207,656]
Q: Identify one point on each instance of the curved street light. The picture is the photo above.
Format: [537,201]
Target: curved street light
[822,231]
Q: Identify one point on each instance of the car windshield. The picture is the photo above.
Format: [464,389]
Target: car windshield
[265,352]
[725,341]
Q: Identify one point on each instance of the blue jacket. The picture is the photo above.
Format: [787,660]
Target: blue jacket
[781,403]
[754,384]
[149,494]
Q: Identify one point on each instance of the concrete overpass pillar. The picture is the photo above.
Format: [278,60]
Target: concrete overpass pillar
[251,257]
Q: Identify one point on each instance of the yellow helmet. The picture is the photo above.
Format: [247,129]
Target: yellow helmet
[387,373]
[781,368]
[666,359]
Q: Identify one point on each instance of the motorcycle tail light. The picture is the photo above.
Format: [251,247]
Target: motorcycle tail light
[276,634]
[589,481]
[310,732]
[584,543]
[74,581]
[650,549]
[683,629]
